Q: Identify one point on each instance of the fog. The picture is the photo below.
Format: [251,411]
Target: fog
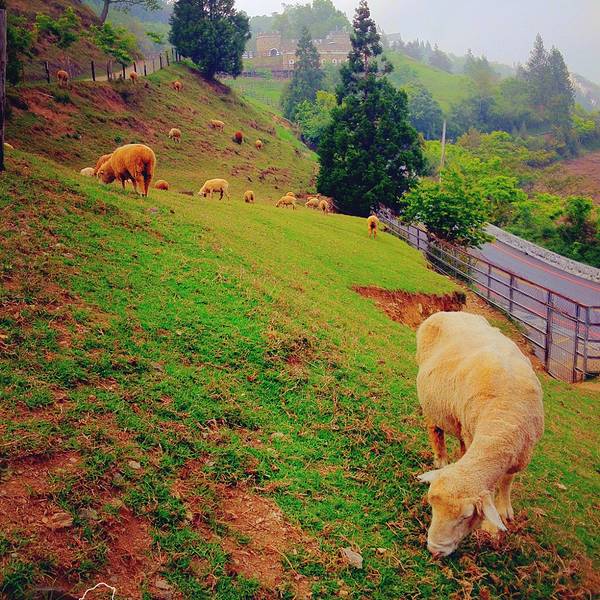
[503,31]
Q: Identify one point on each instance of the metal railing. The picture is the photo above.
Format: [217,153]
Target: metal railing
[564,333]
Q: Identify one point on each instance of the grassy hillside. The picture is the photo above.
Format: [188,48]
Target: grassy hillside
[446,88]
[195,401]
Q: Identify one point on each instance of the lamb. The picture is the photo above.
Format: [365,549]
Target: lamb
[372,224]
[249,197]
[100,162]
[87,172]
[135,162]
[258,144]
[215,185]
[63,78]
[475,384]
[286,200]
[134,77]
[175,135]
[161,184]
[177,86]
[216,124]
[312,202]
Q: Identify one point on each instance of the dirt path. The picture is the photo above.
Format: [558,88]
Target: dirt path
[587,170]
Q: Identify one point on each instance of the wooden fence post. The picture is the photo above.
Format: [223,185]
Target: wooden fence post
[145,73]
[108,70]
[167,56]
[47,71]
[134,67]
[93,72]
[2,82]
[123,67]
[160,61]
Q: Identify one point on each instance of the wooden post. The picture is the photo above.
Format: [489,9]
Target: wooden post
[134,67]
[108,70]
[93,72]
[443,157]
[167,55]
[145,73]
[2,82]
[47,71]
[160,61]
[123,67]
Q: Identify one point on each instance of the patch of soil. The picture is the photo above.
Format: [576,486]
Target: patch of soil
[587,171]
[412,309]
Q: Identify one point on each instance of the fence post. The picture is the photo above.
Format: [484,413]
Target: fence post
[586,340]
[510,293]
[93,71]
[167,57]
[489,280]
[548,330]
[576,345]
[47,71]
[160,61]
[145,74]
[134,67]
[123,69]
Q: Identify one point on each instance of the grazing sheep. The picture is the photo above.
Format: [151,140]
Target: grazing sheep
[216,124]
[100,162]
[249,197]
[134,77]
[324,206]
[286,201]
[161,184]
[258,144]
[313,202]
[63,78]
[372,224]
[215,185]
[177,86]
[290,194]
[475,384]
[238,137]
[175,135]
[87,172]
[135,162]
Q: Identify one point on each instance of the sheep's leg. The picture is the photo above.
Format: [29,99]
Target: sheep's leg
[438,443]
[503,503]
[139,181]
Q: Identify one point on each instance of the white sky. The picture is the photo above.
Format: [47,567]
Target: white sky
[503,30]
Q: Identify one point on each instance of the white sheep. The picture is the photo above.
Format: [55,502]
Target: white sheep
[286,200]
[475,384]
[87,172]
[175,134]
[215,185]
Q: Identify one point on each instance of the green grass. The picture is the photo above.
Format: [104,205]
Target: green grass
[179,332]
[265,91]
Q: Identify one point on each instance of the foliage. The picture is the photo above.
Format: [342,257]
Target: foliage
[452,210]
[115,41]
[313,118]
[440,60]
[126,5]
[425,113]
[157,38]
[20,40]
[307,78]
[64,31]
[211,33]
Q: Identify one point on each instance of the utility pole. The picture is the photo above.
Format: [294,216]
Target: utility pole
[443,157]
[2,78]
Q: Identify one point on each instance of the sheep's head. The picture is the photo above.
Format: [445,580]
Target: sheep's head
[203,192]
[106,174]
[454,514]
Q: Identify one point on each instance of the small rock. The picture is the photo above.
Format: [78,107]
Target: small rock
[134,464]
[60,520]
[354,558]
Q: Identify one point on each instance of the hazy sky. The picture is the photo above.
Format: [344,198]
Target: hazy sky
[503,30]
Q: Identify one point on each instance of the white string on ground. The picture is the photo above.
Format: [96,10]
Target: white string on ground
[101,584]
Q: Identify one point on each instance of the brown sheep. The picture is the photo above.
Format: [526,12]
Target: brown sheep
[175,135]
[324,206]
[238,137]
[135,162]
[177,86]
[215,185]
[290,194]
[258,144]
[216,124]
[161,184]
[63,78]
[286,201]
[100,162]
[372,224]
[134,77]
[249,197]
[312,202]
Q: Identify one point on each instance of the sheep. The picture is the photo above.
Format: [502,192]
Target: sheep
[324,206]
[372,224]
[177,86]
[175,135]
[215,185]
[161,184]
[258,144]
[8,146]
[87,172]
[249,197]
[286,200]
[238,137]
[63,78]
[100,162]
[313,202]
[135,162]
[134,77]
[290,194]
[216,124]
[475,384]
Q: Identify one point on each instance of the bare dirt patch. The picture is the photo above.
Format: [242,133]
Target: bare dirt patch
[412,309]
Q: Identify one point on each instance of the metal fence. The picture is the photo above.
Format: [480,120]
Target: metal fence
[564,333]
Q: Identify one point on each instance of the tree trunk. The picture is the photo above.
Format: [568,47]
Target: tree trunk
[104,12]
[2,82]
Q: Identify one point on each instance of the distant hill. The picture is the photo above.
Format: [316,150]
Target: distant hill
[587,93]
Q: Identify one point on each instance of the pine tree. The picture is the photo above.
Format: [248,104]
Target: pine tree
[307,79]
[212,33]
[536,73]
[562,94]
[440,60]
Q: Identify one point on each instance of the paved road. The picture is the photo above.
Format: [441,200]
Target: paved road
[578,289]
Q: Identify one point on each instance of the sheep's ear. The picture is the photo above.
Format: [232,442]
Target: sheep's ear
[485,505]
[430,476]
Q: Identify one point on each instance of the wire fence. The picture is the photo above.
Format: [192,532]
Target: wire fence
[564,333]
